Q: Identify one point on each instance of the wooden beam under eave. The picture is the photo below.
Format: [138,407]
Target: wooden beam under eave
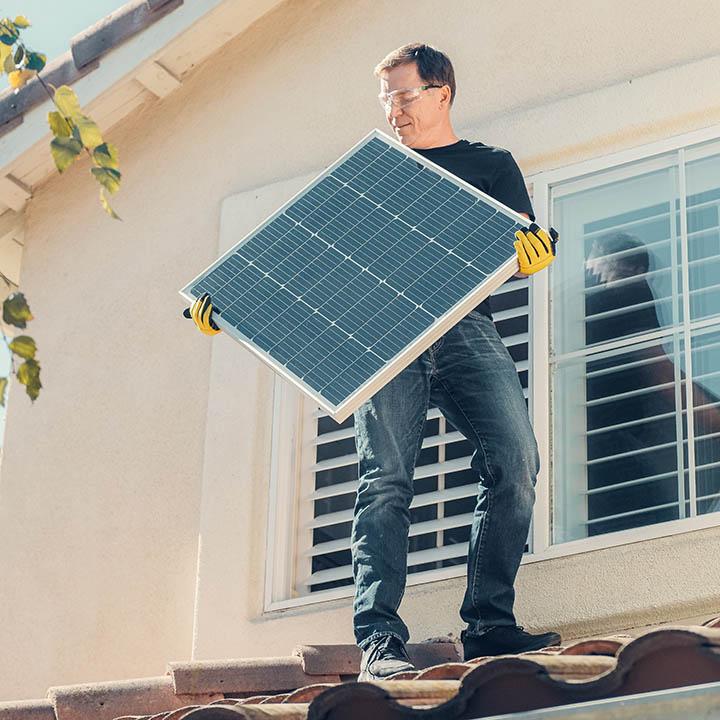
[12,239]
[157,79]
[13,192]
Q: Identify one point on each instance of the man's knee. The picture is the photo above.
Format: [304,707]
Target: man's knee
[387,482]
[514,464]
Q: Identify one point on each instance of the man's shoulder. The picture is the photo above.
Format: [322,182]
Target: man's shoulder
[494,152]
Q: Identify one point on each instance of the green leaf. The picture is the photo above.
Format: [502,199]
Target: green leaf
[21,22]
[29,375]
[67,102]
[109,178]
[59,126]
[35,61]
[24,346]
[8,39]
[106,155]
[19,54]
[90,134]
[107,207]
[3,385]
[16,310]
[64,151]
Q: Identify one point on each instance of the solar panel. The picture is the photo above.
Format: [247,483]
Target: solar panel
[362,270]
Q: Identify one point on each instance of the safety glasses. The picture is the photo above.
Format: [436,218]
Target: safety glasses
[403,97]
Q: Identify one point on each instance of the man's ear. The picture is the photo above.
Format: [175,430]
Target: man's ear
[446,94]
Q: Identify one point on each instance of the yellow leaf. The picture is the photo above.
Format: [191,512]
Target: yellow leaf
[18,78]
[107,207]
[8,28]
[5,50]
[89,131]
[64,151]
[107,177]
[67,102]
[58,124]
[8,62]
[106,155]
[21,21]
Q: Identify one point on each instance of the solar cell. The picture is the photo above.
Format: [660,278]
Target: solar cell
[363,269]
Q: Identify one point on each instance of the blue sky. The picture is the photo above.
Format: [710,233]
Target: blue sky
[53,23]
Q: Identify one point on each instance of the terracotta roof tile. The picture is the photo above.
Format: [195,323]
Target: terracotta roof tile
[665,658]
[108,700]
[345,659]
[309,683]
[27,710]
[445,671]
[264,674]
[298,711]
[581,667]
[308,693]
[609,645]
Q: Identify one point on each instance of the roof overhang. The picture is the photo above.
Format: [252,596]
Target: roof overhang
[143,65]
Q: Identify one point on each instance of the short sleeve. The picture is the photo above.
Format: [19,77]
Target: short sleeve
[509,187]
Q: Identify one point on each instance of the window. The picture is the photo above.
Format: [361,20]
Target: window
[445,487]
[635,298]
[625,338]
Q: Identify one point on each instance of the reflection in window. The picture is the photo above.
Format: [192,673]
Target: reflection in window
[625,366]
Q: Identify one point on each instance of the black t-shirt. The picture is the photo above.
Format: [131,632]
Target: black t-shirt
[490,169]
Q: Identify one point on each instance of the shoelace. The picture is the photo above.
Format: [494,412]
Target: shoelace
[383,647]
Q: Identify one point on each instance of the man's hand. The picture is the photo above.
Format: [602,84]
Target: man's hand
[200,311]
[535,250]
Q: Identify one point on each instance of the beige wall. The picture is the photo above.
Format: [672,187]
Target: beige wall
[150,440]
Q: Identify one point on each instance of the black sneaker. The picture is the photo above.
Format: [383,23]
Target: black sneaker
[505,640]
[386,655]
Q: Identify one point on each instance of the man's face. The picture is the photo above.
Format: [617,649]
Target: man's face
[416,123]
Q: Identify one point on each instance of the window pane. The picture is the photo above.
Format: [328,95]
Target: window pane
[618,264]
[703,200]
[616,430]
[706,419]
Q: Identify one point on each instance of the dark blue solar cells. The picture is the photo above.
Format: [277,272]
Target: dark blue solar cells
[358,267]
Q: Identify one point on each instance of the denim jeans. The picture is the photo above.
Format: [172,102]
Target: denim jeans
[469,374]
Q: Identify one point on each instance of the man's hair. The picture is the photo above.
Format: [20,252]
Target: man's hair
[433,66]
[630,253]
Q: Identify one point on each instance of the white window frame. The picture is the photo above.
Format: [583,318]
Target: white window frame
[290,409]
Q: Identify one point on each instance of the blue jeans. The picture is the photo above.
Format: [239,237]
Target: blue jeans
[469,374]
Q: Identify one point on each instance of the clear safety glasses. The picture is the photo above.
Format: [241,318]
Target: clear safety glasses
[403,97]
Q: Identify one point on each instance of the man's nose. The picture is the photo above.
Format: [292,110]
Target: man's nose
[393,112]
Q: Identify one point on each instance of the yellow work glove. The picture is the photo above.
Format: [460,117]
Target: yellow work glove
[200,311]
[535,250]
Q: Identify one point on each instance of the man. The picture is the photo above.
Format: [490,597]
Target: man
[470,375]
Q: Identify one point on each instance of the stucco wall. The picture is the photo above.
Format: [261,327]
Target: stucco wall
[110,482]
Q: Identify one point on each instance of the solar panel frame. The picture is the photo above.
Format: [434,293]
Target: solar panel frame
[341,411]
